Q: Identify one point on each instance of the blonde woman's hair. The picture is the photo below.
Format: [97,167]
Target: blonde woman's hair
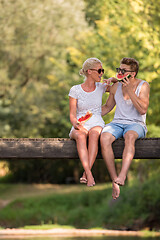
[89,64]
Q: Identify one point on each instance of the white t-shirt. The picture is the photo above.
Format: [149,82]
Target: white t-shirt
[89,101]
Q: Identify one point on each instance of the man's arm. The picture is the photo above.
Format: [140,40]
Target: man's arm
[110,103]
[140,102]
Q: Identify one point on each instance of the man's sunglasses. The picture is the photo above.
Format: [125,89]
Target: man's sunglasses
[123,71]
[99,70]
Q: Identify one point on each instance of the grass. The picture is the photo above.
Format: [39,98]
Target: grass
[18,191]
[80,207]
[39,204]
[48,226]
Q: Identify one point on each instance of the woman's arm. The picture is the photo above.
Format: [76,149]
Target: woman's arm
[108,82]
[110,103]
[73,111]
[73,114]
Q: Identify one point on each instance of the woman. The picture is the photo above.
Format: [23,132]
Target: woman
[82,98]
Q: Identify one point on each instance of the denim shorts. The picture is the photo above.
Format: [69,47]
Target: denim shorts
[118,130]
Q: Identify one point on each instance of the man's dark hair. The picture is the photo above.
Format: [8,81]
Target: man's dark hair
[133,63]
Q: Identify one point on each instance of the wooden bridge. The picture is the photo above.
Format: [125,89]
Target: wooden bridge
[64,148]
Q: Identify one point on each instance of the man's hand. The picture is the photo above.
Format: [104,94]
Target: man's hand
[127,84]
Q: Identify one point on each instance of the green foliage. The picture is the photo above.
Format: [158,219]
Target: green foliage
[58,208]
[154,108]
[32,34]
[137,208]
[49,171]
[42,171]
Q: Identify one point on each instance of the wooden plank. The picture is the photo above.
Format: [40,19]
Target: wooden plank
[64,148]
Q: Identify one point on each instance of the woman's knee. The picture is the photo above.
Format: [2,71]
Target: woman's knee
[81,137]
[94,134]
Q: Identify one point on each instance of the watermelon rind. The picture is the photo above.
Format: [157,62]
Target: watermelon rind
[86,117]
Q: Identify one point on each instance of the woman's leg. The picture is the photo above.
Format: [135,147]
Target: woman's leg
[81,141]
[93,138]
[93,141]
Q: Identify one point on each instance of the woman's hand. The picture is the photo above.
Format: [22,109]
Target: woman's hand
[107,81]
[110,80]
[77,126]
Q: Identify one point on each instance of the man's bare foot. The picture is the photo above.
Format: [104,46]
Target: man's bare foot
[120,180]
[90,180]
[115,190]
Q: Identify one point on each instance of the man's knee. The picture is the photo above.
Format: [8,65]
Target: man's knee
[106,139]
[130,137]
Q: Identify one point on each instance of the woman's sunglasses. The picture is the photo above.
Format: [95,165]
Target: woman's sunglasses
[123,71]
[99,70]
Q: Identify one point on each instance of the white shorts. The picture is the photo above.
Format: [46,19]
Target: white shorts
[94,121]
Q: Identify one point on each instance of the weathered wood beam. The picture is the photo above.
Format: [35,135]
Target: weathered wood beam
[64,148]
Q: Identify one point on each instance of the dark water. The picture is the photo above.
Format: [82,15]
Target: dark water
[81,238]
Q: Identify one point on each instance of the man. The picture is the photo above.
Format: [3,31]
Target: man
[131,97]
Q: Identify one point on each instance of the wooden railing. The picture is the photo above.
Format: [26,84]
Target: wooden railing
[64,148]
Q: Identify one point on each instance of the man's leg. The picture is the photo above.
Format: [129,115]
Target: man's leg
[128,154]
[106,140]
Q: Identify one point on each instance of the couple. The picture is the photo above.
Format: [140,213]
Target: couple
[131,97]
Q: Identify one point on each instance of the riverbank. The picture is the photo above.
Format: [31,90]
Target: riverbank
[11,233]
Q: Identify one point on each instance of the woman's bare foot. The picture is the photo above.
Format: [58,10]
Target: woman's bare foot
[90,180]
[83,179]
[115,190]
[120,180]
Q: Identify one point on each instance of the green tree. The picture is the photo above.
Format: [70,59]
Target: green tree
[34,87]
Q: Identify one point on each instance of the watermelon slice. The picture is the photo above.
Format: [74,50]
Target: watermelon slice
[85,118]
[120,77]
